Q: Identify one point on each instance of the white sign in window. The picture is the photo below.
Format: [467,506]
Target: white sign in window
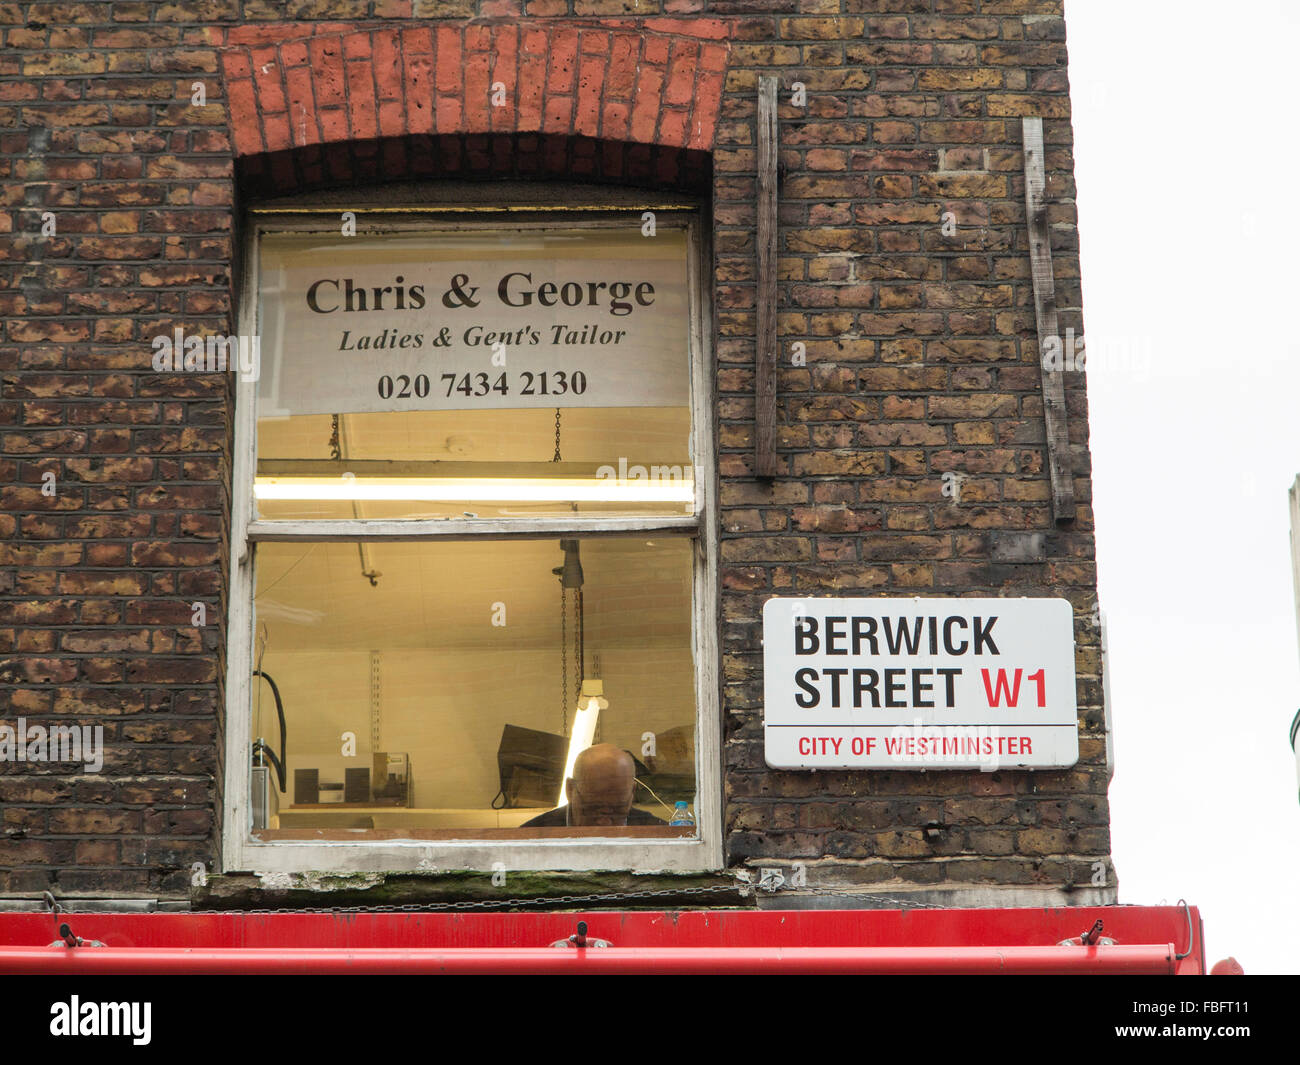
[473,321]
[919,684]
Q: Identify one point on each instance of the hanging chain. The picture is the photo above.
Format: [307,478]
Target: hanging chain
[336,448]
[564,659]
[556,457]
[577,642]
[376,703]
[600,721]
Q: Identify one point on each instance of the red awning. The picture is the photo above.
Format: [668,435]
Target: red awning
[1024,941]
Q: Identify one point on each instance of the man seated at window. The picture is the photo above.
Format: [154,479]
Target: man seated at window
[600,792]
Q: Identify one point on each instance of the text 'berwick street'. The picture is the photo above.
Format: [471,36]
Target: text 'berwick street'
[893,688]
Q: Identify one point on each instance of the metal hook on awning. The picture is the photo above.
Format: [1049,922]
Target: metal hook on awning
[1092,935]
[68,938]
[1090,938]
[579,939]
[1190,937]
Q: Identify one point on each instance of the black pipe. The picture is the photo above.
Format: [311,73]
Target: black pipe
[279,710]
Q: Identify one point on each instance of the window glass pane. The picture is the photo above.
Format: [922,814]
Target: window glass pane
[421,375]
[460,666]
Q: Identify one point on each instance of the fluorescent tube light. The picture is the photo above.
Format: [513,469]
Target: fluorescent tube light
[444,489]
[583,733]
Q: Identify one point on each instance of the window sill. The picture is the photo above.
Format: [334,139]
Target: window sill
[610,835]
[349,852]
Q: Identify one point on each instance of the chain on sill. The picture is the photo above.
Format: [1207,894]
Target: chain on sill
[743,888]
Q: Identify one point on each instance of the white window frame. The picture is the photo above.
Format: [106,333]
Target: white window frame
[240,853]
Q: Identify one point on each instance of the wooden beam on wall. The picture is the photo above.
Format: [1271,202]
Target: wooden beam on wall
[1294,496]
[765,347]
[1053,377]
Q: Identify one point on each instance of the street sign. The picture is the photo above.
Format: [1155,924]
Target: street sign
[919,684]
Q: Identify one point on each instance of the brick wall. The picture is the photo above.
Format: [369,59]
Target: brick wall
[921,359]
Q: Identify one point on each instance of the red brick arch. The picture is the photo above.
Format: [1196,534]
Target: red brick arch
[389,101]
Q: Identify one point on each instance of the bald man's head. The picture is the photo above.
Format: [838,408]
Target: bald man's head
[600,790]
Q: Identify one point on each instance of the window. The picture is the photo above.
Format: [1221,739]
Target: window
[472,540]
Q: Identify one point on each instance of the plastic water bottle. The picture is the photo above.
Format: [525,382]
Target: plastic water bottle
[681,816]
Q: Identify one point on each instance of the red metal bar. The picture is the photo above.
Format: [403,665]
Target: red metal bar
[1026,927]
[87,961]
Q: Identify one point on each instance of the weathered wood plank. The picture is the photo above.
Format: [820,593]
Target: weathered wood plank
[765,348]
[1294,496]
[1053,378]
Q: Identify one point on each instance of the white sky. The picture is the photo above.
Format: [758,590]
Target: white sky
[1188,146]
